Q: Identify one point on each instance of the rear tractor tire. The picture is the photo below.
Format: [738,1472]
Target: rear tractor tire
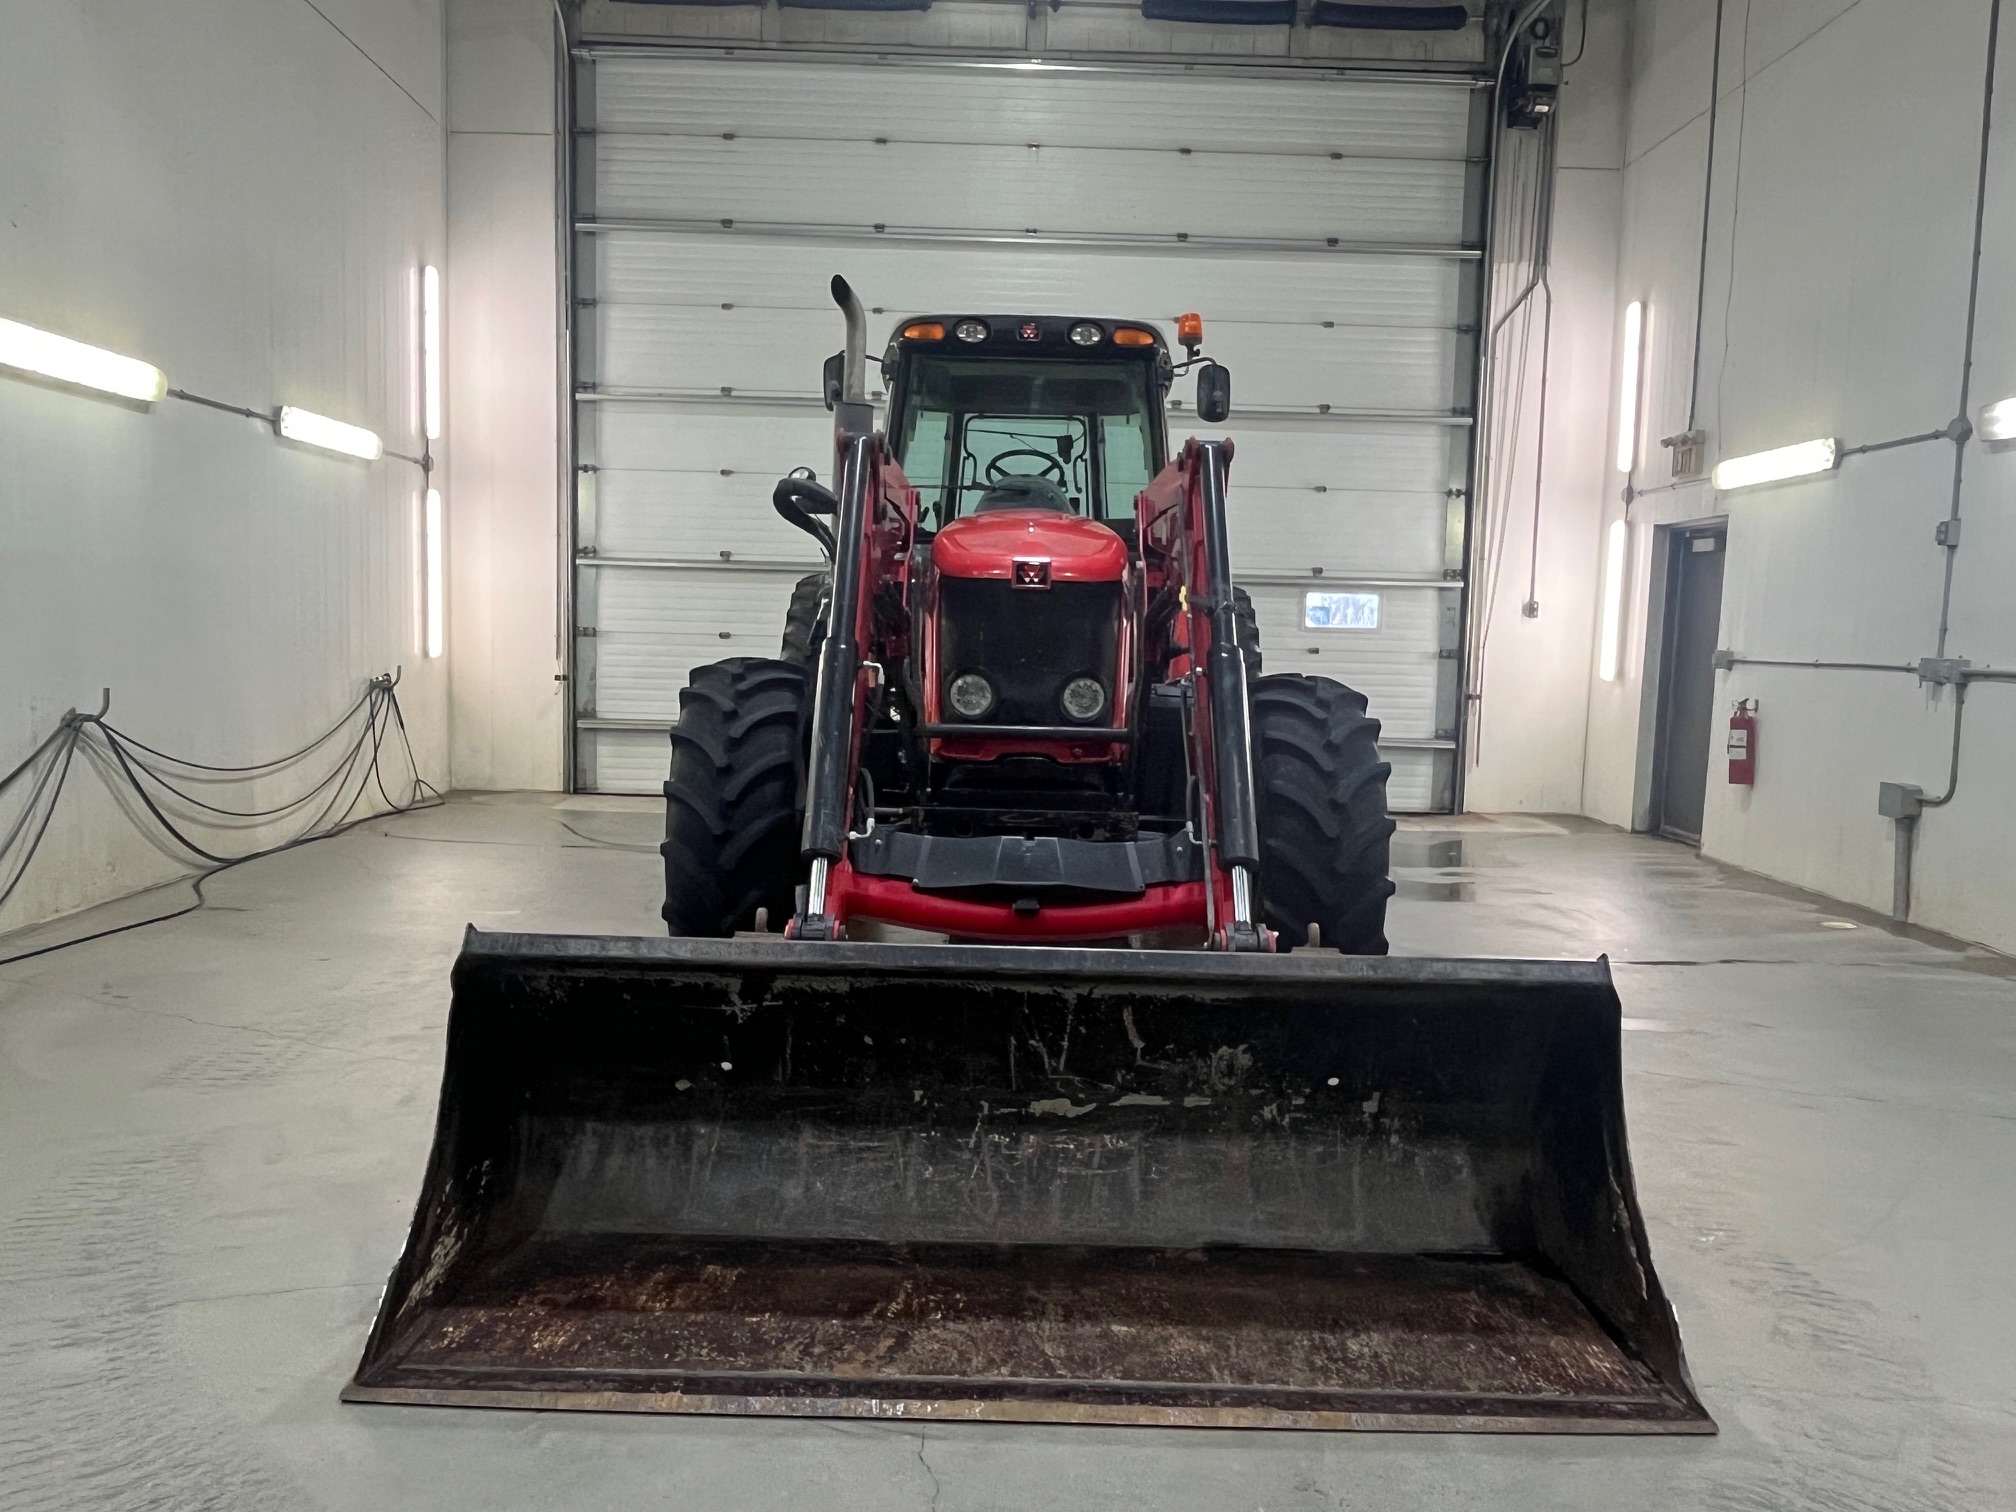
[1324,830]
[805,620]
[1249,633]
[731,803]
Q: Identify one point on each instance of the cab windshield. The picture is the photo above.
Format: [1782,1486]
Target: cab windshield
[965,424]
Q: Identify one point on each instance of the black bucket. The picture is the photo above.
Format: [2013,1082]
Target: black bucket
[969,1182]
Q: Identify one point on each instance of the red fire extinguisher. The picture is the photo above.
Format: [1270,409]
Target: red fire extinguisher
[1743,743]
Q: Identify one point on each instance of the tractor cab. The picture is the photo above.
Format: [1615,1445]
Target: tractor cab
[1002,412]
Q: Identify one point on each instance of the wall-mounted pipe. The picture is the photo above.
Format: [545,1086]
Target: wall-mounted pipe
[1905,803]
[1949,538]
[1724,660]
[1707,209]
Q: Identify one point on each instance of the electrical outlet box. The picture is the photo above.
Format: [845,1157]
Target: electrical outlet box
[1689,453]
[1533,73]
[1899,800]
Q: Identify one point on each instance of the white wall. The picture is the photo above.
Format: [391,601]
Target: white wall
[1528,734]
[1836,285]
[504,407]
[241,192]
[1666,134]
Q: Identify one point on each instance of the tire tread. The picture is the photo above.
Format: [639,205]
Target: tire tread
[1325,835]
[732,796]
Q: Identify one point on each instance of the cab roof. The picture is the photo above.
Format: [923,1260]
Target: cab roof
[1028,336]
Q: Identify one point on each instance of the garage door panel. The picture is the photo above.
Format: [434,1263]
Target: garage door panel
[947,24]
[1105,30]
[678,438]
[1094,29]
[695,515]
[657,624]
[625,761]
[748,350]
[1412,459]
[707,270]
[958,188]
[779,351]
[1367,534]
[1347,368]
[1321,498]
[986,26]
[1395,666]
[816,101]
[1416,784]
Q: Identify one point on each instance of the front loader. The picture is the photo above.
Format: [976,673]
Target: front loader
[1026,1045]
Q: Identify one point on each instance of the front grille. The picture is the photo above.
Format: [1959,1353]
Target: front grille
[1029,642]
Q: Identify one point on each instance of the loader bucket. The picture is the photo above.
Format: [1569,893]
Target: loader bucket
[1061,1185]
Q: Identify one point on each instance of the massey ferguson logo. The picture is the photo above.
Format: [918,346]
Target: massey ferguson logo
[1032,574]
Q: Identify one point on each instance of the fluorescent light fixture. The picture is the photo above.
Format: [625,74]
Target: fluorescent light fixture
[436,610]
[1998,421]
[1627,387]
[52,356]
[416,557]
[1775,466]
[312,429]
[1613,599]
[430,351]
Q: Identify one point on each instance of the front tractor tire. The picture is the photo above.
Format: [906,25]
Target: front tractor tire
[731,801]
[1324,830]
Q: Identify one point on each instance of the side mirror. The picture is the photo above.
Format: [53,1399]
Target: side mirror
[1214,393]
[835,377]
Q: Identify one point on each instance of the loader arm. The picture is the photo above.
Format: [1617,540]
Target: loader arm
[1184,528]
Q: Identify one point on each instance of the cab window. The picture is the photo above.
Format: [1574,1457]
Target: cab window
[967,423]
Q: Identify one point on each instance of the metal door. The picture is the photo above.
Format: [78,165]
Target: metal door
[1687,680]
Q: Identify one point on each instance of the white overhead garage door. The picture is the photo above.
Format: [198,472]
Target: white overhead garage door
[1316,224]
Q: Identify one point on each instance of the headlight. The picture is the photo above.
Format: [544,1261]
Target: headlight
[972,696]
[1084,698]
[1086,335]
[971,330]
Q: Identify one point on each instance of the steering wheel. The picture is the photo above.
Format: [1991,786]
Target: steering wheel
[1052,468]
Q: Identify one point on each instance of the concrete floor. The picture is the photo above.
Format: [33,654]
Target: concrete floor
[211,1135]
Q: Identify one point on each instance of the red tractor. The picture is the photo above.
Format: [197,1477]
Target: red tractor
[1023,702]
[798,1171]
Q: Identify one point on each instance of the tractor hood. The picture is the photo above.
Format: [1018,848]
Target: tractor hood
[989,545]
